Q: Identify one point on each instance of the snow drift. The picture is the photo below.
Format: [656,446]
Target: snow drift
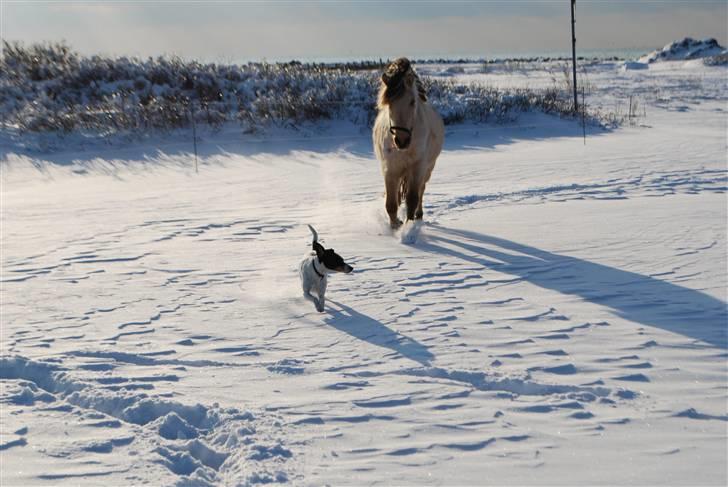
[684,50]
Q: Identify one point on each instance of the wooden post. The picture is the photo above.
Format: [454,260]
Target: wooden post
[194,131]
[573,54]
[583,113]
[629,114]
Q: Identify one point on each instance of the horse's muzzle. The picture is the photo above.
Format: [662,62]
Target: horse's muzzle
[402,136]
[402,143]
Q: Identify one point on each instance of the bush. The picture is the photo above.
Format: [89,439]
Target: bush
[49,88]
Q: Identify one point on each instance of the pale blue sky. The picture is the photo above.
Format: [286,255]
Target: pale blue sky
[253,30]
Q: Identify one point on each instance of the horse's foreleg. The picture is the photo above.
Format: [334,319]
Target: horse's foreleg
[391,185]
[415,190]
[419,212]
[413,200]
[421,187]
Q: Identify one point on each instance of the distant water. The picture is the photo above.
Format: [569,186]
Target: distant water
[624,53]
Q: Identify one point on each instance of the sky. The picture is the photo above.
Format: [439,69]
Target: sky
[236,31]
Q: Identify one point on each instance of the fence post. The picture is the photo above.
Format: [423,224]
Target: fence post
[194,131]
[583,113]
[573,53]
[629,115]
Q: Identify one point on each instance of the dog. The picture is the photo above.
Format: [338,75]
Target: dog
[314,270]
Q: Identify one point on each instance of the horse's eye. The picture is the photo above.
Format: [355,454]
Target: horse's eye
[412,103]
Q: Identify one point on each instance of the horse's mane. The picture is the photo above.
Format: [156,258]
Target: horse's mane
[393,81]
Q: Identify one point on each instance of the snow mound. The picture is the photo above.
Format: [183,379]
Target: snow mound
[717,60]
[634,65]
[685,50]
[201,445]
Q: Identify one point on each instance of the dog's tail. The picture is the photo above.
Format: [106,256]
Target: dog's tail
[315,235]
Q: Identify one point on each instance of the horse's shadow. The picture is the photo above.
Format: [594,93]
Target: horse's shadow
[370,330]
[176,150]
[635,297]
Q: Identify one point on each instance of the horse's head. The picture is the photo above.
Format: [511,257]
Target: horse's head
[400,93]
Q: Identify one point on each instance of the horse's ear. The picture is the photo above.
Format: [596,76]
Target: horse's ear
[395,70]
[410,78]
[421,90]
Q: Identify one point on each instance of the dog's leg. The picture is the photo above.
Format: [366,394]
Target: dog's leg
[314,299]
[321,295]
[306,286]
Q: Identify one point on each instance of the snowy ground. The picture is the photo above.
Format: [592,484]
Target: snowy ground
[560,319]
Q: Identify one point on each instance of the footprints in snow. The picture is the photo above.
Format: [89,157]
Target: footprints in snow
[652,184]
[231,230]
[195,441]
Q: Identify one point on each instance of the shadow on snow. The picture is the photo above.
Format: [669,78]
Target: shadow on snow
[634,297]
[176,150]
[370,330]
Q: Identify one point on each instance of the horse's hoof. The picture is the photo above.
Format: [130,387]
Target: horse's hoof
[395,224]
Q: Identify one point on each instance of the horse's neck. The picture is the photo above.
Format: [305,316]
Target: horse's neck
[422,117]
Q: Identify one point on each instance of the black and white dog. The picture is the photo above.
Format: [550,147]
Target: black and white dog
[314,269]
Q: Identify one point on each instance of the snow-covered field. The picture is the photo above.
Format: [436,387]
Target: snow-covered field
[559,320]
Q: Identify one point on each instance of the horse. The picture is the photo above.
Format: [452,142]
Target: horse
[408,135]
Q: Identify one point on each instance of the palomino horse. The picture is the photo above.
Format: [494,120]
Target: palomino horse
[408,135]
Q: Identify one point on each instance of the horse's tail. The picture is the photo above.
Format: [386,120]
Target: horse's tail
[315,235]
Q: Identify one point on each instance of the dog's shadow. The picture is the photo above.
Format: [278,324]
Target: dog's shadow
[370,330]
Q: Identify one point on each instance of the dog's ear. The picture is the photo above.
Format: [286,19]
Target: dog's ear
[319,249]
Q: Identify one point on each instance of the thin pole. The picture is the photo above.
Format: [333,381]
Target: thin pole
[629,114]
[583,113]
[573,53]
[194,131]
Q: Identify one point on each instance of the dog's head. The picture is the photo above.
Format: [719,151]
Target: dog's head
[330,259]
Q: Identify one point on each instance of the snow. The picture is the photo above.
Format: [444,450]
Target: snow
[634,65]
[559,318]
[683,50]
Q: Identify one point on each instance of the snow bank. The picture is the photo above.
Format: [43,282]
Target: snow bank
[685,50]
[633,65]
